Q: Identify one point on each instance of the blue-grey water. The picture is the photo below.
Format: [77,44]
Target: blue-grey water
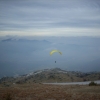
[74,83]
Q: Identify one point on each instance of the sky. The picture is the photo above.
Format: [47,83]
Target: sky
[50,17]
[71,26]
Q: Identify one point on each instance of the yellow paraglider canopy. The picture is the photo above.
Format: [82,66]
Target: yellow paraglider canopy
[53,51]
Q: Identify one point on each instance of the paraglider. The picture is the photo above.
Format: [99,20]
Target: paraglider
[54,51]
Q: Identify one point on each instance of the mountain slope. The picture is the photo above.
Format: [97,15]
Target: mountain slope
[52,75]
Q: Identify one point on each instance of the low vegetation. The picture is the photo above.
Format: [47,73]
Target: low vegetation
[49,92]
[92,84]
[31,87]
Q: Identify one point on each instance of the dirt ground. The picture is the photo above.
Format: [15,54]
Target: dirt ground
[49,92]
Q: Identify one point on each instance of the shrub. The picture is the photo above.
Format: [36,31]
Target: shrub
[92,84]
[8,96]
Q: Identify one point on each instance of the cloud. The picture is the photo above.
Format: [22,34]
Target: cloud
[55,32]
[49,16]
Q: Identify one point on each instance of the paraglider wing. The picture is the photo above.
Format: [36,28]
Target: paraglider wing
[53,51]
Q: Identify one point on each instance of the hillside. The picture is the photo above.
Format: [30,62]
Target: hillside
[51,75]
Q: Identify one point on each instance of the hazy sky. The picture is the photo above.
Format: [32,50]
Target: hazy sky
[50,17]
[20,55]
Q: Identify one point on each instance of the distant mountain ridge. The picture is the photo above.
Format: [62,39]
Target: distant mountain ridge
[23,40]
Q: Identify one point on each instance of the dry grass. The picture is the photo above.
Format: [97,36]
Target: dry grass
[49,92]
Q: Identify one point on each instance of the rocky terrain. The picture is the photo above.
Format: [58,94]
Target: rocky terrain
[51,75]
